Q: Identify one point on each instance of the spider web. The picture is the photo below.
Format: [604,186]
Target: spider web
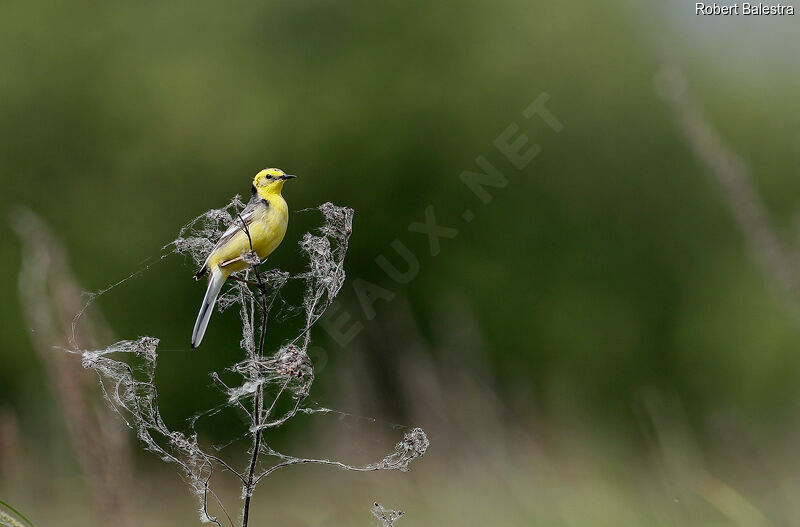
[127,368]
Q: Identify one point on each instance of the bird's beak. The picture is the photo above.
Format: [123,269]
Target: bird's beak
[288,176]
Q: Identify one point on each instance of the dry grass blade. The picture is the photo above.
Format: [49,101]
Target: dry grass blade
[50,297]
[732,176]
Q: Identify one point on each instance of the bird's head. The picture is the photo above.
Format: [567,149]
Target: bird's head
[270,181]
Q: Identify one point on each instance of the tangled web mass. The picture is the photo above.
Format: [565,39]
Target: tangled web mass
[127,369]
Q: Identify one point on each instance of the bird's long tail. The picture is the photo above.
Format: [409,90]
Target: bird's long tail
[215,281]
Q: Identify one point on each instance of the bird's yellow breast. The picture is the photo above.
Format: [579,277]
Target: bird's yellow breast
[266,233]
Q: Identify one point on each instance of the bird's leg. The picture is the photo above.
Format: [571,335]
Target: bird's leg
[248,282]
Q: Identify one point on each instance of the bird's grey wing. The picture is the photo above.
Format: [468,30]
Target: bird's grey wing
[244,218]
[241,220]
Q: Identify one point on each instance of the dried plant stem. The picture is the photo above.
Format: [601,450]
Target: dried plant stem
[251,475]
[258,400]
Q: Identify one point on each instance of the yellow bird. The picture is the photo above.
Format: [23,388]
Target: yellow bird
[262,223]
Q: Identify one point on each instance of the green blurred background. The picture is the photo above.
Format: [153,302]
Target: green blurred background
[601,318]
